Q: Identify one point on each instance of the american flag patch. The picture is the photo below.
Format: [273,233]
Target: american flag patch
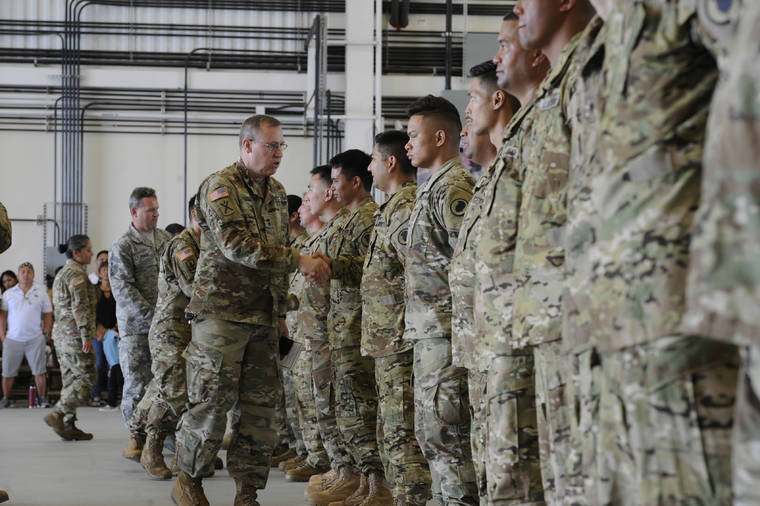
[219,193]
[185,254]
[77,281]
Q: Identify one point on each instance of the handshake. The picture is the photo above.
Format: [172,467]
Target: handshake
[316,268]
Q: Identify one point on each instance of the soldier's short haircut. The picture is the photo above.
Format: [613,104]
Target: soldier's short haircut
[139,193]
[354,163]
[294,202]
[438,107]
[190,206]
[251,125]
[174,228]
[392,142]
[486,72]
[510,16]
[76,242]
[323,171]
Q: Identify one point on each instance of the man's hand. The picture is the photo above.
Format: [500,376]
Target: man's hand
[314,268]
[86,346]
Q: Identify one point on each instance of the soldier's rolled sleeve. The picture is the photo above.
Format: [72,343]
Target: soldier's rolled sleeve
[121,274]
[81,307]
[236,242]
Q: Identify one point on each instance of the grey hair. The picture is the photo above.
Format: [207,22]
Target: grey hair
[139,193]
[250,127]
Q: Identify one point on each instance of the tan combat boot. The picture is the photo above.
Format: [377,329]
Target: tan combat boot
[77,434]
[188,491]
[379,492]
[302,473]
[287,465]
[359,494]
[134,447]
[55,420]
[339,491]
[320,482]
[3,496]
[245,494]
[152,457]
[279,458]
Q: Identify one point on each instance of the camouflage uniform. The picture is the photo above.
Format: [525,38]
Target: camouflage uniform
[666,397]
[5,229]
[74,299]
[166,395]
[239,293]
[133,265]
[313,310]
[382,290]
[582,386]
[353,374]
[722,287]
[441,410]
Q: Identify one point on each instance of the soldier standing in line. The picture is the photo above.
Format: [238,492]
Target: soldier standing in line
[355,394]
[166,397]
[441,407]
[667,394]
[5,243]
[382,290]
[539,247]
[74,300]
[316,461]
[513,471]
[313,312]
[232,355]
[133,271]
[488,111]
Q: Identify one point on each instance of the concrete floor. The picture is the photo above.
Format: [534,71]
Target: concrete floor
[37,468]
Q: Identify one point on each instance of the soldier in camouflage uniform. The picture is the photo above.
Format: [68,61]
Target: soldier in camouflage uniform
[441,410]
[666,396]
[133,271]
[353,374]
[722,287]
[539,247]
[316,459]
[166,396]
[488,112]
[74,299]
[313,310]
[237,305]
[5,229]
[382,290]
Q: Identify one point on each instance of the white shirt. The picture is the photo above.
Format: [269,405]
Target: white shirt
[25,312]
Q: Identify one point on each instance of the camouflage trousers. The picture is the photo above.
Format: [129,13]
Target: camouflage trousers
[324,400]
[306,409]
[134,359]
[442,422]
[552,417]
[476,387]
[356,406]
[293,427]
[746,440]
[285,437]
[77,376]
[166,396]
[665,420]
[406,468]
[582,391]
[513,466]
[228,362]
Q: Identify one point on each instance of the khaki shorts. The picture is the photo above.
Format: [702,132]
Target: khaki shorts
[14,351]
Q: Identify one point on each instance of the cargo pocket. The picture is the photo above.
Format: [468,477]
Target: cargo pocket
[203,373]
[188,444]
[447,402]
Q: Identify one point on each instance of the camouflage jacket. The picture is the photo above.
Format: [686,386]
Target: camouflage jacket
[244,259]
[582,221]
[539,249]
[314,302]
[5,229]
[382,287]
[433,231]
[347,247]
[303,241]
[657,88]
[133,265]
[493,249]
[175,284]
[74,300]
[723,286]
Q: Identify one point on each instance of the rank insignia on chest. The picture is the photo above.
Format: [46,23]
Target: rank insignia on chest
[550,101]
[217,194]
[185,254]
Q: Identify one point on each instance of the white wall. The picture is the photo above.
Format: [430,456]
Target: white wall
[113,165]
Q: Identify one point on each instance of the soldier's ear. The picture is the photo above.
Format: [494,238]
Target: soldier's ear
[539,60]
[440,137]
[392,163]
[498,99]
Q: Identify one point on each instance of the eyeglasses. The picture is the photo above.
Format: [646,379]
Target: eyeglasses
[271,146]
